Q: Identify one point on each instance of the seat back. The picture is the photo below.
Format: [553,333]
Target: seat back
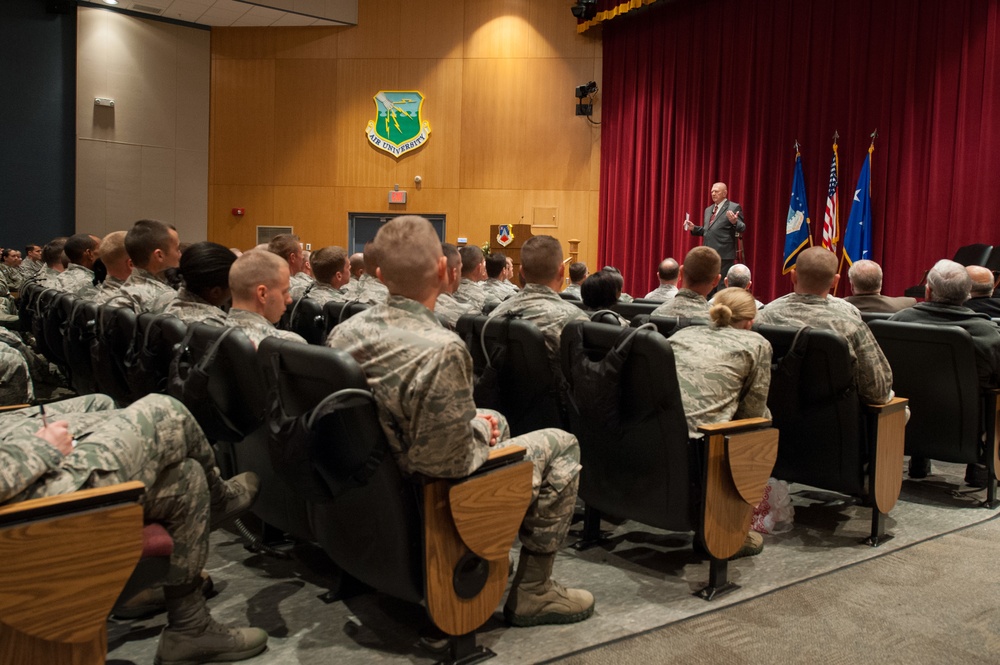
[148,360]
[569,296]
[55,326]
[868,317]
[335,312]
[977,254]
[40,312]
[116,328]
[642,470]
[81,332]
[631,309]
[372,531]
[935,368]
[528,393]
[668,325]
[604,316]
[821,441]
[306,319]
[26,303]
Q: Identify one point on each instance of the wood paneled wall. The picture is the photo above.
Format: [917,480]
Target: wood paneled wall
[289,108]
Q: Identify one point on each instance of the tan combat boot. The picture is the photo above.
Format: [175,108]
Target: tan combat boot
[233,497]
[535,598]
[192,636]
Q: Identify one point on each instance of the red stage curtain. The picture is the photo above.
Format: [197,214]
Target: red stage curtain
[697,92]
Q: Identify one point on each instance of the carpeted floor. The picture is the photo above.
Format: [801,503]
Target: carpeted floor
[644,579]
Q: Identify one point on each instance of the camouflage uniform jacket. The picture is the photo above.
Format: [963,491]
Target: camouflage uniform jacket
[472,293]
[257,328]
[514,288]
[367,289]
[723,373]
[624,297]
[108,289]
[421,375]
[46,277]
[300,281]
[451,310]
[78,280]
[324,293]
[685,303]
[15,378]
[871,371]
[350,286]
[11,276]
[543,307]
[192,308]
[140,291]
[843,306]
[30,267]
[662,293]
[496,290]
[573,290]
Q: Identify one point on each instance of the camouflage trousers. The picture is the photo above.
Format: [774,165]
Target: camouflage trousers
[42,371]
[555,455]
[15,378]
[157,441]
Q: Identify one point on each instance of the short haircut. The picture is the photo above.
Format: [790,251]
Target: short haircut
[982,281]
[950,282]
[496,263]
[541,257]
[615,275]
[600,290]
[254,268]
[112,248]
[815,268]
[701,266]
[284,245]
[408,248]
[327,262]
[77,245]
[357,262]
[28,249]
[738,276]
[732,305]
[370,257]
[865,276]
[205,265]
[472,256]
[53,253]
[145,237]
[669,270]
[4,253]
[577,272]
[455,257]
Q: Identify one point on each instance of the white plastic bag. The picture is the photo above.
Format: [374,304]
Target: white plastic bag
[774,513]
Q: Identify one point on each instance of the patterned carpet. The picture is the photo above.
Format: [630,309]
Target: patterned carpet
[643,580]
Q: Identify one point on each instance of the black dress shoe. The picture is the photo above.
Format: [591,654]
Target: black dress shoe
[976,475]
[920,467]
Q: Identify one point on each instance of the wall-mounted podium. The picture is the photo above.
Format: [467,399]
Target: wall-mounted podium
[513,251]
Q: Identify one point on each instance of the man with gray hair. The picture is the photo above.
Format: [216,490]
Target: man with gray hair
[981,297]
[739,277]
[866,284]
[668,273]
[948,286]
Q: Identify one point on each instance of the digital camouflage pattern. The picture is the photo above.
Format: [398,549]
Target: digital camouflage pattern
[685,303]
[324,293]
[29,268]
[41,370]
[472,293]
[451,310]
[497,291]
[78,280]
[573,290]
[844,306]
[155,440]
[108,289]
[15,378]
[192,308]
[140,292]
[257,328]
[46,277]
[298,283]
[723,373]
[421,375]
[11,277]
[542,306]
[871,371]
[662,293]
[368,289]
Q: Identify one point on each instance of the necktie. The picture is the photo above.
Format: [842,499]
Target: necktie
[715,211]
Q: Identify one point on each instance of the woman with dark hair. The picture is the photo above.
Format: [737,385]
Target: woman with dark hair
[600,292]
[204,271]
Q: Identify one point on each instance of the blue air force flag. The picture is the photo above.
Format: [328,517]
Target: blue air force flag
[797,234]
[858,232]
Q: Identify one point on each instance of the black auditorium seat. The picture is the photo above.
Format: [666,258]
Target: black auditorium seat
[632,309]
[638,461]
[569,296]
[81,331]
[952,419]
[147,363]
[868,317]
[335,312]
[829,438]
[116,328]
[41,309]
[307,320]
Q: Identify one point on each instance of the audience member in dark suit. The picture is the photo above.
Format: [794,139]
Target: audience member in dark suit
[866,284]
[981,296]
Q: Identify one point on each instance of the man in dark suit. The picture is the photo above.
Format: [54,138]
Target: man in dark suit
[866,284]
[722,221]
[981,297]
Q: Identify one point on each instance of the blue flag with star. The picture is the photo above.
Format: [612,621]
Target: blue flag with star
[858,230]
[797,234]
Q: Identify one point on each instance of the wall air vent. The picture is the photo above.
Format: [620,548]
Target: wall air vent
[146,8]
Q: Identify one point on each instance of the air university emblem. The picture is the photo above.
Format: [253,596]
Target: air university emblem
[504,235]
[398,126]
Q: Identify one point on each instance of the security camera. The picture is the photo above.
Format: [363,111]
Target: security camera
[584,9]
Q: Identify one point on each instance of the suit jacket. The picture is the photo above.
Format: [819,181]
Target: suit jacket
[879,303]
[720,234]
[984,305]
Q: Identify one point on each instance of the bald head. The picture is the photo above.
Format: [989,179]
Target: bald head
[410,260]
[738,276]
[357,265]
[669,271]
[815,271]
[982,281]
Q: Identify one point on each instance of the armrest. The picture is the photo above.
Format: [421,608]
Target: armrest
[13,407]
[62,504]
[886,461]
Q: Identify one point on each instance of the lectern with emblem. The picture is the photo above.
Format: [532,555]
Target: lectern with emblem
[509,238]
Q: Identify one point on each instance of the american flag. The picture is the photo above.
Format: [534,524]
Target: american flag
[831,230]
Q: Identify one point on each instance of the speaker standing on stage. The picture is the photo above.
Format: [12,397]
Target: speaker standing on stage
[723,222]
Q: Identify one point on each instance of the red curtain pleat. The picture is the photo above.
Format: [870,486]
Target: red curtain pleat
[697,92]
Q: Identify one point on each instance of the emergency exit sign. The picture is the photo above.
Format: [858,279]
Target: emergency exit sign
[397,196]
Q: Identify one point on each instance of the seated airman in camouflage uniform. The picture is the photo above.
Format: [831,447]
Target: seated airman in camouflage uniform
[470,289]
[724,372]
[421,375]
[814,274]
[10,269]
[16,386]
[82,251]
[155,440]
[446,307]
[577,273]
[367,288]
[332,271]
[45,377]
[667,273]
[357,269]
[699,274]
[117,263]
[32,262]
[55,262]
[259,283]
[204,269]
[289,247]
[511,286]
[538,302]
[496,267]
[153,247]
